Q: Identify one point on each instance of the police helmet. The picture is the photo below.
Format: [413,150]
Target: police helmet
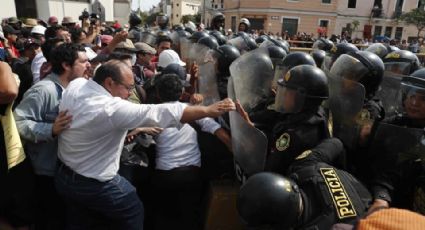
[162,20]
[281,43]
[261,39]
[225,55]
[323,44]
[209,41]
[378,49]
[269,199]
[413,87]
[343,48]
[221,39]
[302,88]
[392,48]
[402,62]
[198,35]
[298,58]
[363,67]
[246,22]
[277,54]
[217,21]
[318,56]
[134,19]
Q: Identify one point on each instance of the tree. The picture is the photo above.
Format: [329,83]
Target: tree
[196,18]
[415,17]
[151,19]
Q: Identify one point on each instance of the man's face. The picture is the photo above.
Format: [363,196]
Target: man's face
[12,37]
[242,27]
[125,86]
[414,105]
[163,46]
[80,67]
[65,35]
[144,59]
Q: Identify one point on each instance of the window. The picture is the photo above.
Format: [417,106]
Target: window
[177,15]
[233,21]
[326,1]
[177,4]
[388,31]
[399,5]
[352,3]
[378,3]
[398,33]
[378,31]
[323,23]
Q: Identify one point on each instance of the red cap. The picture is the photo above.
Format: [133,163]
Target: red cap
[106,39]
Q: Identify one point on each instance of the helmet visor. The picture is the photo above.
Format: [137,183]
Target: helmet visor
[239,43]
[349,68]
[402,68]
[412,96]
[289,100]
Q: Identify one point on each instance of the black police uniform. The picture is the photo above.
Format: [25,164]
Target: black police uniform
[329,195]
[394,180]
[290,134]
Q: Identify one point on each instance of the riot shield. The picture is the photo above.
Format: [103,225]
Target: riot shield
[279,72]
[134,35]
[185,44]
[148,38]
[197,53]
[249,144]
[389,93]
[346,99]
[252,74]
[208,83]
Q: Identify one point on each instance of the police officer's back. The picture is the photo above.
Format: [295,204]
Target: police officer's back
[316,195]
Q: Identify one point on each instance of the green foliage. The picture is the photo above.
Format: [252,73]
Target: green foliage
[188,17]
[150,19]
[415,17]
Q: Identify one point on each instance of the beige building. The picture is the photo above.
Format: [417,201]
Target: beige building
[284,15]
[376,18]
[183,7]
[373,17]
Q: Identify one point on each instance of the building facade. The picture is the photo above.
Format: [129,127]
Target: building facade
[362,18]
[180,8]
[291,16]
[110,10]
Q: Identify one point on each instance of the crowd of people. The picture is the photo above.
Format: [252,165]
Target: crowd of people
[105,127]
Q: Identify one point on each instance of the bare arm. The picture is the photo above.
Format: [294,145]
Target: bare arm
[8,85]
[119,37]
[224,137]
[192,113]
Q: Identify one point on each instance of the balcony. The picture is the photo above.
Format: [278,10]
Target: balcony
[377,12]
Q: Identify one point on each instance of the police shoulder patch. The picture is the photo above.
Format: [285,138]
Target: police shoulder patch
[282,142]
[287,76]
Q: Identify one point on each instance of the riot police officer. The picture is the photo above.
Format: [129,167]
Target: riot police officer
[224,56]
[134,32]
[244,25]
[323,44]
[297,122]
[162,22]
[335,52]
[315,195]
[398,148]
[217,22]
[355,78]
[401,62]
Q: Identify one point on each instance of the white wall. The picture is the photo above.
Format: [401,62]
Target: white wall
[7,9]
[121,12]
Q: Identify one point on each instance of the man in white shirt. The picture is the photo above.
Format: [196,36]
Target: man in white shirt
[90,149]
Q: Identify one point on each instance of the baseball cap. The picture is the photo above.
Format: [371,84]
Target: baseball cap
[127,44]
[31,42]
[38,30]
[169,56]
[179,71]
[7,29]
[141,46]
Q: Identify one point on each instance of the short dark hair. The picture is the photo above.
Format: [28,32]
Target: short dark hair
[76,33]
[68,53]
[163,38]
[112,69]
[119,56]
[48,46]
[51,31]
[168,87]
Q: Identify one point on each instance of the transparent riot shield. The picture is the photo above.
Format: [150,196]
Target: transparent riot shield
[148,38]
[208,83]
[389,93]
[346,99]
[184,49]
[279,72]
[401,149]
[197,53]
[252,74]
[249,144]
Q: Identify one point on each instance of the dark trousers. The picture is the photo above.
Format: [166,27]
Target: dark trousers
[93,204]
[50,208]
[177,198]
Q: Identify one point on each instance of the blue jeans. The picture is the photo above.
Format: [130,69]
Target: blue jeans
[92,204]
